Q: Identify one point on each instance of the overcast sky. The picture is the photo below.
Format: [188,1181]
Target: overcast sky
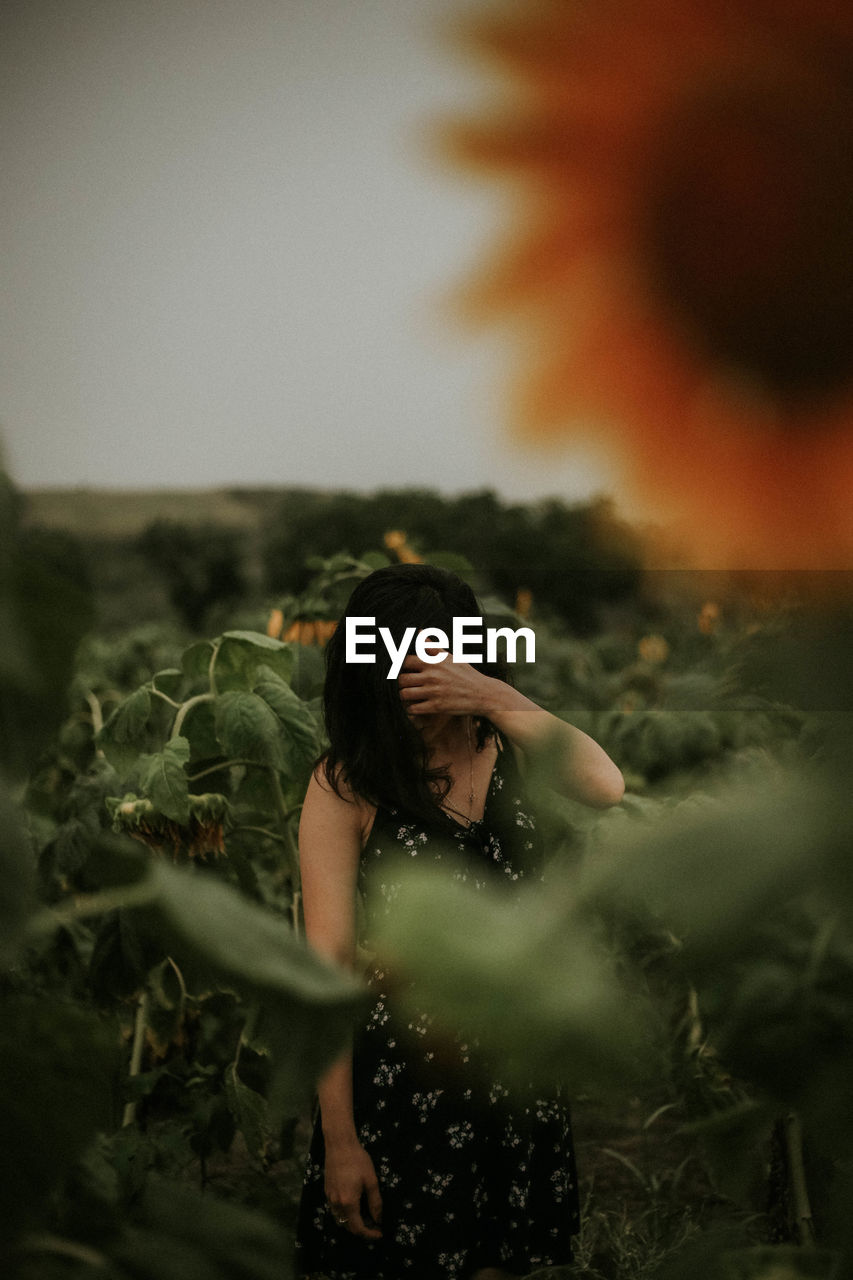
[225,245]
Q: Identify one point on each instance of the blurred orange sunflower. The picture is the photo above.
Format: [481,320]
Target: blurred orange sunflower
[680,256]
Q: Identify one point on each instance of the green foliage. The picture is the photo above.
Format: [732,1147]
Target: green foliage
[57,1082]
[252,1114]
[330,585]
[731,910]
[125,728]
[163,1232]
[164,781]
[575,559]
[701,932]
[248,729]
[298,719]
[200,959]
[214,933]
[527,977]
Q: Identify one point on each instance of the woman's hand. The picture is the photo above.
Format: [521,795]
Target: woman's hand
[575,764]
[446,688]
[350,1180]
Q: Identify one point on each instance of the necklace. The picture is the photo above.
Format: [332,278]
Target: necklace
[472,793]
[471,769]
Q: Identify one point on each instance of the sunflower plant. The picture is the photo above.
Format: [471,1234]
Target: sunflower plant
[155,995]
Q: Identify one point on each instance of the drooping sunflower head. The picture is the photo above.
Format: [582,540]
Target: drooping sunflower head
[681,256]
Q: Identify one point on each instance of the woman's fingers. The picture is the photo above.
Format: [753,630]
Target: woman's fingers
[350,1182]
[413,684]
[414,663]
[414,693]
[374,1203]
[449,687]
[349,1216]
[416,678]
[410,681]
[355,1201]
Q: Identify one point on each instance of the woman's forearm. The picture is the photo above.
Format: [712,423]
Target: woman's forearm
[336,1107]
[329,849]
[581,768]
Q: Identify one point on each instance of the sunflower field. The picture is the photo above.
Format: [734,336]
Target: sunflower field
[685,968]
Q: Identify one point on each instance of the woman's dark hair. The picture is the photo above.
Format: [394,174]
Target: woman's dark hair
[374,748]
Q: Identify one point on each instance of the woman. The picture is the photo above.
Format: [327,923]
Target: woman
[421,1165]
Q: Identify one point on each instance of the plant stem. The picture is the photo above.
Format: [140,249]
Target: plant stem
[261,831]
[186,707]
[180,978]
[210,696]
[139,1029]
[97,713]
[210,676]
[286,834]
[797,1179]
[248,1030]
[158,693]
[215,768]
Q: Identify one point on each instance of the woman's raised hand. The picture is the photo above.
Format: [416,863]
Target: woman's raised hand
[445,688]
[577,766]
[351,1180]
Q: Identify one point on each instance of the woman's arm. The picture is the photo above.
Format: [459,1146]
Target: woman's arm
[330,832]
[582,769]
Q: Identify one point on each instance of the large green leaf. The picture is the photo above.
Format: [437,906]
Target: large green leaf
[119,962]
[523,973]
[244,940]
[714,865]
[309,671]
[296,715]
[168,681]
[750,882]
[210,927]
[217,936]
[241,653]
[195,661]
[199,728]
[164,780]
[781,1014]
[144,1226]
[251,1113]
[57,1064]
[248,729]
[175,1233]
[123,734]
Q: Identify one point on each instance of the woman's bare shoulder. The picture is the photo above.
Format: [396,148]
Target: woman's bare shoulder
[334,801]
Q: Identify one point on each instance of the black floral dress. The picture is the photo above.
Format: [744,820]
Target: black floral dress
[470,1177]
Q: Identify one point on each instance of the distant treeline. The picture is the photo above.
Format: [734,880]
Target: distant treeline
[572,559]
